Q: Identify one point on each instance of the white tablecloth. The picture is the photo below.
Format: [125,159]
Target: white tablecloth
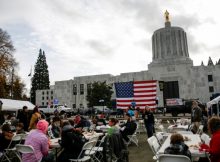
[171,128]
[54,143]
[194,139]
[93,134]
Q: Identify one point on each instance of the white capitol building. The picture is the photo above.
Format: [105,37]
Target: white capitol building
[171,64]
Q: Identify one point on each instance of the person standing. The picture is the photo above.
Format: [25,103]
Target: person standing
[148,118]
[36,116]
[23,117]
[196,116]
[2,118]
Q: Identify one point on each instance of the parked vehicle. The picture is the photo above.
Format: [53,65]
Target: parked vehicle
[60,108]
[176,106]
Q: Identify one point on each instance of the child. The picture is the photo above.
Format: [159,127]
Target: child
[20,128]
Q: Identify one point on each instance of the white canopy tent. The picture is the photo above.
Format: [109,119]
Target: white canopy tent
[14,105]
[212,102]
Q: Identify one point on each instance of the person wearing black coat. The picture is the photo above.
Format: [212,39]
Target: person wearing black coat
[128,128]
[72,142]
[148,118]
[24,117]
[177,146]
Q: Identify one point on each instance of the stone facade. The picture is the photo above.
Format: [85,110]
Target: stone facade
[171,63]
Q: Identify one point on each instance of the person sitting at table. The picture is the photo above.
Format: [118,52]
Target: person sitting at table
[72,142]
[5,137]
[177,146]
[20,128]
[113,128]
[56,127]
[39,141]
[128,128]
[79,123]
[214,145]
[98,121]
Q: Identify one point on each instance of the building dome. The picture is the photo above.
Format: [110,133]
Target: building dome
[170,44]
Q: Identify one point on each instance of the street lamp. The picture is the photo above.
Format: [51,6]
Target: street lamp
[102,101]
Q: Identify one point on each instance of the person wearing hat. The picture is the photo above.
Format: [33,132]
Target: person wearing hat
[128,128]
[38,139]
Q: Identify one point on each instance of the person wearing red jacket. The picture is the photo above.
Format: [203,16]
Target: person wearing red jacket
[214,146]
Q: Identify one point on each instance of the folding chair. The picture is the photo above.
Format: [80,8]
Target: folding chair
[160,137]
[49,132]
[96,152]
[154,145]
[87,147]
[133,139]
[24,149]
[8,152]
[205,138]
[173,158]
[200,130]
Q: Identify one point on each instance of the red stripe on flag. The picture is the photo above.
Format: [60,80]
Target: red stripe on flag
[150,95]
[150,86]
[146,81]
[140,91]
[143,100]
[137,105]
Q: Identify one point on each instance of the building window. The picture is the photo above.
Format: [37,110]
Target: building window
[74,105]
[210,78]
[89,86]
[43,98]
[51,97]
[47,97]
[74,89]
[42,92]
[42,103]
[47,92]
[211,89]
[81,89]
[51,92]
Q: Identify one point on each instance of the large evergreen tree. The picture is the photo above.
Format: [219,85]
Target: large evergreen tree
[40,78]
[99,91]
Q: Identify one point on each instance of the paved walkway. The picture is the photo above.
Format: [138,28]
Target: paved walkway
[142,153]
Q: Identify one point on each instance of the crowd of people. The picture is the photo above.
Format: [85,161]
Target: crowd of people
[40,130]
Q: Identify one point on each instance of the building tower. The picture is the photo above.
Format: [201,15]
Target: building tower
[169,45]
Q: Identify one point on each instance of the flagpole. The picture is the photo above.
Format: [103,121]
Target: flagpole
[30,75]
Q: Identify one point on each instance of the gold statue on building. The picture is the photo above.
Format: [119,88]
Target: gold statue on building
[167,17]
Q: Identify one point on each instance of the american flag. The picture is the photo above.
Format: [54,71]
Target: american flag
[143,93]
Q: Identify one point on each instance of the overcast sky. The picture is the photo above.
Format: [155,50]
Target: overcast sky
[88,37]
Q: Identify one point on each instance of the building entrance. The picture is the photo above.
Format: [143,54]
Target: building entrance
[170,90]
